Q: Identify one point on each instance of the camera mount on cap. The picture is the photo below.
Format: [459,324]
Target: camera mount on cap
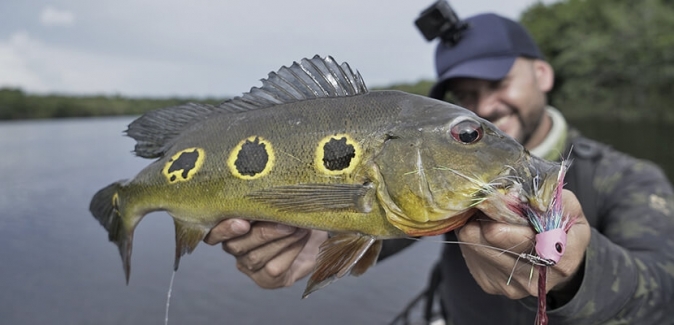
[440,20]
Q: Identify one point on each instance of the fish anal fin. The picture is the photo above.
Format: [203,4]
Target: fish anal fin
[336,258]
[188,236]
[317,197]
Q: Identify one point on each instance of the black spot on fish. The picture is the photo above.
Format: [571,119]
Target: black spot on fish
[252,158]
[185,162]
[337,154]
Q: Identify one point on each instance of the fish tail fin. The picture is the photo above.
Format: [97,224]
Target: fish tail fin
[107,206]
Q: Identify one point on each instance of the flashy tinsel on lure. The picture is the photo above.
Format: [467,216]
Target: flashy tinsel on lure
[551,227]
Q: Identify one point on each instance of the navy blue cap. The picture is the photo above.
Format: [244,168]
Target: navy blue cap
[486,50]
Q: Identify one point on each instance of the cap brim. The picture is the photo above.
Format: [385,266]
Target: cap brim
[487,68]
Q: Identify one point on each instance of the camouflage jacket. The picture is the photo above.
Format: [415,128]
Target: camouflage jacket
[628,272]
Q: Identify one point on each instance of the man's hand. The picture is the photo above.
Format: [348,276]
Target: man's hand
[272,254]
[493,269]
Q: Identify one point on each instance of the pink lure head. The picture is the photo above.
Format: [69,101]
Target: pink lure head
[550,244]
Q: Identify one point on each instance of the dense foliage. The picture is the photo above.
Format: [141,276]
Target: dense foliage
[612,58]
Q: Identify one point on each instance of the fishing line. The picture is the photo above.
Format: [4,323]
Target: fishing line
[168,298]
[533,259]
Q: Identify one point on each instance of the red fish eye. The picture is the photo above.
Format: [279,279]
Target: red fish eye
[558,247]
[467,131]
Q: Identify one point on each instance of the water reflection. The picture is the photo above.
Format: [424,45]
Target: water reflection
[58,267]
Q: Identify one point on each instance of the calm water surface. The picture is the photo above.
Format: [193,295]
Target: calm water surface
[57,266]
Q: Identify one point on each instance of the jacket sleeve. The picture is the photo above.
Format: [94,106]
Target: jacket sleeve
[629,264]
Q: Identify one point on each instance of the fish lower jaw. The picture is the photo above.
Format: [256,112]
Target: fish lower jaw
[431,227]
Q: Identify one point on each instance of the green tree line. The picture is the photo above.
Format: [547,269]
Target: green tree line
[613,59]
[16,104]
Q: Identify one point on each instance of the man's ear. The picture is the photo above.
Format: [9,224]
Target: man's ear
[545,75]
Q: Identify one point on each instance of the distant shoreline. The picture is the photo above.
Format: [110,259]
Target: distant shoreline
[15,104]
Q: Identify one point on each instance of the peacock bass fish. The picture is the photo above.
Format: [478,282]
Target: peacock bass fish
[313,148]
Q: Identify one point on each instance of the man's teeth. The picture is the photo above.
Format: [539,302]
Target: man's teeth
[500,121]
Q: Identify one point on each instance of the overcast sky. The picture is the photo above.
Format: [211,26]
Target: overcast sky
[209,47]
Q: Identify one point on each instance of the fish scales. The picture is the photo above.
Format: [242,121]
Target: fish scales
[365,166]
[294,132]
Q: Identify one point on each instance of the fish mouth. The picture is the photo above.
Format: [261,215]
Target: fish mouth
[544,179]
[532,188]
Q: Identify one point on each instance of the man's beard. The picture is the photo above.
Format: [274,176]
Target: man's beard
[527,127]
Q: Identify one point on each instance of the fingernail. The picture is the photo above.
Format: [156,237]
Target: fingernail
[239,227]
[281,228]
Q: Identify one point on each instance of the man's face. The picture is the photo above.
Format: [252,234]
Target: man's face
[515,104]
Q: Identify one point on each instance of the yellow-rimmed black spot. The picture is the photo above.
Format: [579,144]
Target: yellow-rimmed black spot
[337,154]
[184,164]
[252,158]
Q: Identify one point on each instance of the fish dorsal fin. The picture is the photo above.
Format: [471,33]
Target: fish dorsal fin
[308,79]
[155,130]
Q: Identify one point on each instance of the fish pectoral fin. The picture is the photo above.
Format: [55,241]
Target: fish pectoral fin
[369,259]
[318,197]
[342,254]
[188,237]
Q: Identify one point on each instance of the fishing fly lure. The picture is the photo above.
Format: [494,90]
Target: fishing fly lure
[551,227]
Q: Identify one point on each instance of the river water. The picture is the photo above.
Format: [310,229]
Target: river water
[57,266]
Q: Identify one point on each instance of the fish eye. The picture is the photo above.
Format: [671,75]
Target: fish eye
[559,247]
[467,131]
